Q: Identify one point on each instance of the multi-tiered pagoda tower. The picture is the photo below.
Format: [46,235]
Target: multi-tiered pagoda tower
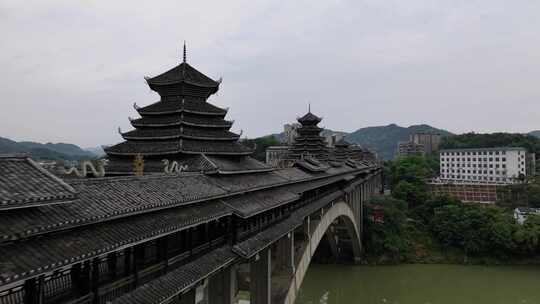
[309,142]
[342,150]
[182,127]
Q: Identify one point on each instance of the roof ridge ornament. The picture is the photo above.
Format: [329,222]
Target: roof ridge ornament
[185,53]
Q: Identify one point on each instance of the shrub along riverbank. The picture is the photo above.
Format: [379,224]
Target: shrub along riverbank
[412,227]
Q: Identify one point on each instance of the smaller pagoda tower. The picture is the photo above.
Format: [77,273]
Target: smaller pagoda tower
[342,150]
[309,142]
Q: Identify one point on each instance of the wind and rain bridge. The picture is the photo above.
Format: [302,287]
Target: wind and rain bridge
[183,214]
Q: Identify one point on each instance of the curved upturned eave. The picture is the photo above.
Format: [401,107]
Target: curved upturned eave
[144,153]
[177,123]
[151,82]
[142,112]
[176,152]
[128,137]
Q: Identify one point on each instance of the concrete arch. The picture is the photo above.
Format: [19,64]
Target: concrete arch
[338,210]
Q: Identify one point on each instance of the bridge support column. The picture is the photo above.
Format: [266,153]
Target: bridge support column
[260,278]
[188,297]
[220,287]
[285,253]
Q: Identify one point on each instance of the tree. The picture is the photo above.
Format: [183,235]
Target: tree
[408,177]
[475,229]
[260,144]
[385,227]
[527,236]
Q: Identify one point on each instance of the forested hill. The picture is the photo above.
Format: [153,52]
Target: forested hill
[475,140]
[50,151]
[535,133]
[384,139]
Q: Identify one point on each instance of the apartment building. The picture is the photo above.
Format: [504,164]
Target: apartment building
[406,148]
[502,165]
[429,140]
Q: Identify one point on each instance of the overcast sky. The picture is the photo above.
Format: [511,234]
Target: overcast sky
[71,70]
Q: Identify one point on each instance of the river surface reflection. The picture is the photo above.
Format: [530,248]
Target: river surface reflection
[421,284]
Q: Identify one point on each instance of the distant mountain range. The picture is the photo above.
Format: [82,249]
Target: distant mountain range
[49,151]
[384,139]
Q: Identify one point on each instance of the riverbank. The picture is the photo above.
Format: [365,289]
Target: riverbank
[426,249]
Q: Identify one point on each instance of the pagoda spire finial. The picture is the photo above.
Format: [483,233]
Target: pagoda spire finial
[185,53]
[309,107]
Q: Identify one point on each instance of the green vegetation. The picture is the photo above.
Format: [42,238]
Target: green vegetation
[474,140]
[408,175]
[259,145]
[387,239]
[412,226]
[520,195]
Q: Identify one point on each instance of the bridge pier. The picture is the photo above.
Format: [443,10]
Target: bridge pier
[221,286]
[285,253]
[260,278]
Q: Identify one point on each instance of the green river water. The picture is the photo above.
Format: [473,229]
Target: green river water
[421,284]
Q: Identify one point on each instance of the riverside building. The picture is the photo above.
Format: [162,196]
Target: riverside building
[492,165]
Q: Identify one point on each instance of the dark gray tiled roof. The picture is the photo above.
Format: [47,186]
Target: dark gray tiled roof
[176,120]
[230,165]
[179,132]
[164,147]
[249,204]
[106,198]
[183,73]
[145,148]
[29,258]
[306,186]
[181,279]
[244,182]
[23,183]
[293,174]
[187,105]
[309,119]
[214,147]
[310,167]
[248,248]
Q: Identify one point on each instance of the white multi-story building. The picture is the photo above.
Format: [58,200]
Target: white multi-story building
[491,165]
